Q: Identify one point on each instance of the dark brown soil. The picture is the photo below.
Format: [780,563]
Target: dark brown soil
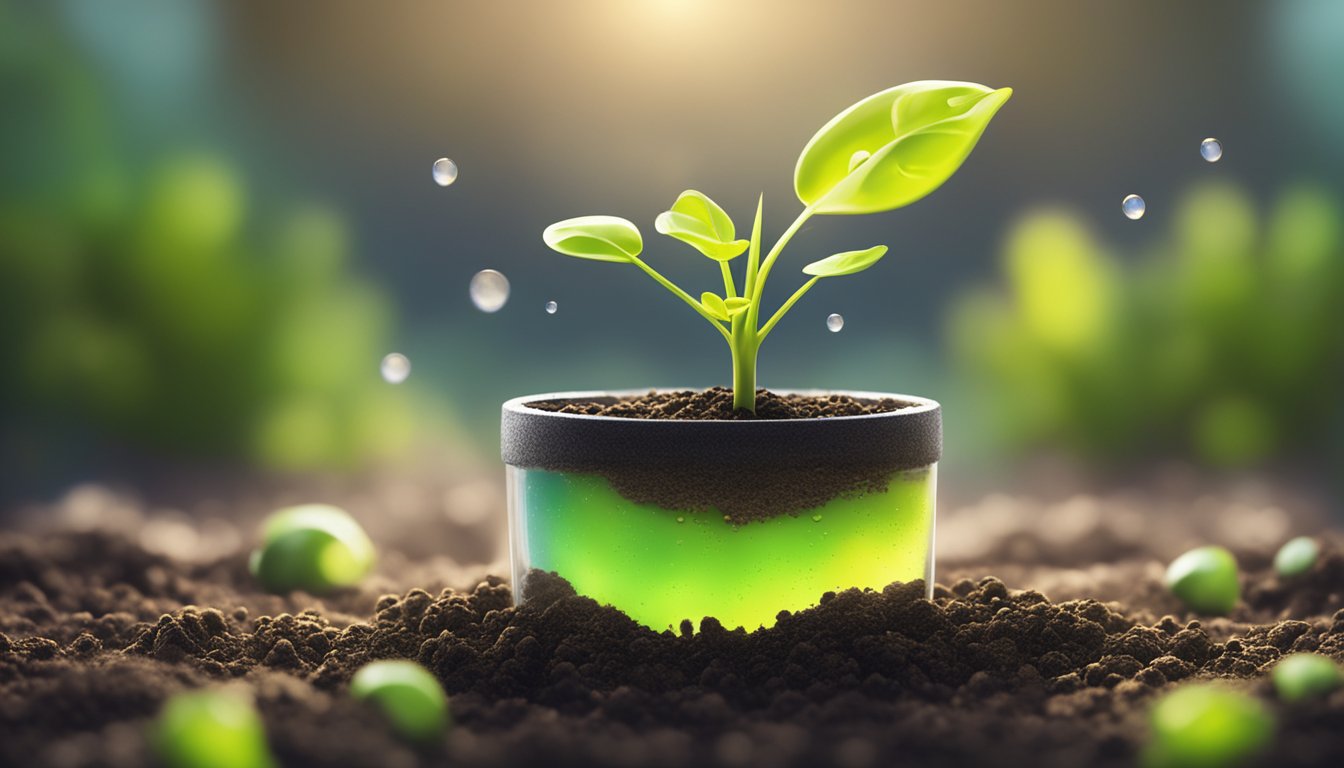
[97,632]
[761,495]
[716,403]
[740,497]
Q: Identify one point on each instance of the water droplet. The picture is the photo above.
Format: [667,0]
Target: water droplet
[1211,149]
[816,518]
[489,290]
[834,323]
[551,307]
[1133,206]
[445,171]
[395,368]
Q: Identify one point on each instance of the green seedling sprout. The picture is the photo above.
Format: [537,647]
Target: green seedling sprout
[1296,557]
[313,547]
[1206,725]
[1205,579]
[408,696]
[217,728]
[1302,676]
[883,153]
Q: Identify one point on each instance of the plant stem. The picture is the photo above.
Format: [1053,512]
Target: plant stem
[671,286]
[798,294]
[729,290]
[759,286]
[745,346]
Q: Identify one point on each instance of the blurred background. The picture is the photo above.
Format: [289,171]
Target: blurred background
[217,218]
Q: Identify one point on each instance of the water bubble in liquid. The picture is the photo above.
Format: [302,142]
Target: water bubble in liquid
[1133,206]
[551,307]
[445,171]
[395,368]
[834,323]
[1211,149]
[489,290]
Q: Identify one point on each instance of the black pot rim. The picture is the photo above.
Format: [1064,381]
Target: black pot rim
[908,438]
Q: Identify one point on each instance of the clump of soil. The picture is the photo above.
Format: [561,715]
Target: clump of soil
[741,497]
[716,403]
[980,675]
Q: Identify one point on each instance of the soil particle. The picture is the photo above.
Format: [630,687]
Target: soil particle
[716,403]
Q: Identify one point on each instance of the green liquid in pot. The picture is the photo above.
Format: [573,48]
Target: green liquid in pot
[660,566]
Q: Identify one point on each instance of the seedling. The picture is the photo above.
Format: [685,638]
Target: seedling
[314,547]
[408,696]
[211,729]
[1205,579]
[883,153]
[1302,676]
[1207,726]
[1296,557]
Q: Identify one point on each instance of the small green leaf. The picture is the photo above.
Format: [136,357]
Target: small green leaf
[715,305]
[736,305]
[846,263]
[699,222]
[894,147]
[600,238]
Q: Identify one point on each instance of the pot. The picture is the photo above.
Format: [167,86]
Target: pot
[671,520]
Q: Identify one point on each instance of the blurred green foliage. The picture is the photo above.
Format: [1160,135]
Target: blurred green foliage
[146,301]
[1224,342]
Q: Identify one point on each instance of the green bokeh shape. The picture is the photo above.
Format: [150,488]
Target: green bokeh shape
[1205,579]
[661,566]
[313,547]
[211,729]
[1303,676]
[407,694]
[1207,726]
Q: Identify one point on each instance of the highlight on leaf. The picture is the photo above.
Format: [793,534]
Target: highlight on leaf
[699,222]
[600,238]
[846,263]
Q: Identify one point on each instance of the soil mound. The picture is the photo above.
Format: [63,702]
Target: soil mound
[716,403]
[980,675]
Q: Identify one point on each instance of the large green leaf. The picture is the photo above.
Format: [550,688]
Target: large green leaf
[601,238]
[846,263]
[894,147]
[700,222]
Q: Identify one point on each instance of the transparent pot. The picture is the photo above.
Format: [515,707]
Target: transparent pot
[669,520]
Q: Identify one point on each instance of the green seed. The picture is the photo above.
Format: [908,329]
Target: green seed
[1206,726]
[1205,579]
[1296,557]
[1302,676]
[211,729]
[314,547]
[408,695]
